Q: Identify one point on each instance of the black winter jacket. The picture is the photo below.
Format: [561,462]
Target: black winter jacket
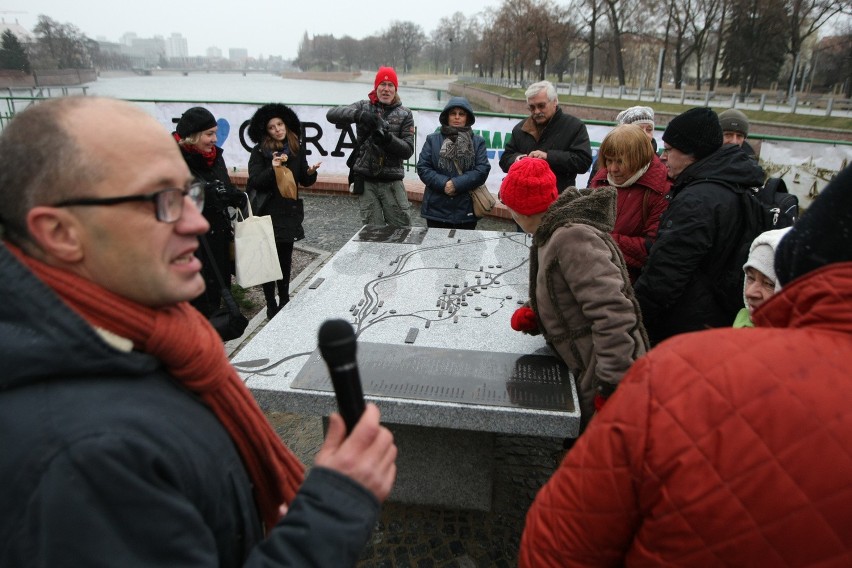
[287,214]
[107,461]
[565,140]
[379,161]
[679,289]
[220,235]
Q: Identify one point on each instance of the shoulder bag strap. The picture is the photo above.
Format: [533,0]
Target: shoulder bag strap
[230,303]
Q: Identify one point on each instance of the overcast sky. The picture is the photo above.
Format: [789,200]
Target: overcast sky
[264,27]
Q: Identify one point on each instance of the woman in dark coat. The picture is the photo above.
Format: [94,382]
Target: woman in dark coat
[275,129]
[453,162]
[195,134]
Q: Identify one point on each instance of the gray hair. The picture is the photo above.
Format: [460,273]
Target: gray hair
[536,88]
[41,163]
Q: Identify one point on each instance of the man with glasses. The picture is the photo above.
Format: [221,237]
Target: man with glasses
[693,279]
[550,134]
[128,438]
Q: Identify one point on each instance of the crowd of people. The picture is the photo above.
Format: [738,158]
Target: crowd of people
[130,437]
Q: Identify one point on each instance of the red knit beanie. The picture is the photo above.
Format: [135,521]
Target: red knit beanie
[386,74]
[529,187]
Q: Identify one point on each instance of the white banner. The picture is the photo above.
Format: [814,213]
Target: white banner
[804,165]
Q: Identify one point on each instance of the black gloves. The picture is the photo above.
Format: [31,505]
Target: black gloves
[381,136]
[367,121]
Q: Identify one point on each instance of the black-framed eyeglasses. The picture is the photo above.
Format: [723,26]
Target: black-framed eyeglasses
[169,202]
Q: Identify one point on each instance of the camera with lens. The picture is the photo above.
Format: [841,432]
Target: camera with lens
[223,196]
[380,134]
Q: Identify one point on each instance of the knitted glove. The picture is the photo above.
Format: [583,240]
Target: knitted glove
[524,319]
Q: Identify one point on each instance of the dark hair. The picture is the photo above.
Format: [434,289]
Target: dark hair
[41,163]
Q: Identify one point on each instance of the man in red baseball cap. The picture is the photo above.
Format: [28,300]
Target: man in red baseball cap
[384,140]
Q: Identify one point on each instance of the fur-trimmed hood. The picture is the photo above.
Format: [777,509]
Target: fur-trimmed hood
[257,126]
[594,207]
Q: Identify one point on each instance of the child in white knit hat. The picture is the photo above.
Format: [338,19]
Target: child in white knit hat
[760,279]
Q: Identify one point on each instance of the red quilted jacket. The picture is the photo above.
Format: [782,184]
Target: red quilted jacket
[638,213]
[730,447]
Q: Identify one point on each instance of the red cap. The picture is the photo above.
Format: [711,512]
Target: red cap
[386,74]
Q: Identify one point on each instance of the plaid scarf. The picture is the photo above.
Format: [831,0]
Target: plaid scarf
[456,147]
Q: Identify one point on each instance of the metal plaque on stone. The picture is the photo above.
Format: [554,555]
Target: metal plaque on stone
[451,375]
[388,234]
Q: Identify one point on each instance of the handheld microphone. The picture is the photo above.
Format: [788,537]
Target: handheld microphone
[336,341]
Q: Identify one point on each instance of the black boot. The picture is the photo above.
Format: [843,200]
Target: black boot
[272,306]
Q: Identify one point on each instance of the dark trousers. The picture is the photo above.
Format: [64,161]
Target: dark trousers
[444,225]
[285,260]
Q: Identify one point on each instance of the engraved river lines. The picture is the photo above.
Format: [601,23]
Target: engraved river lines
[451,303]
[448,304]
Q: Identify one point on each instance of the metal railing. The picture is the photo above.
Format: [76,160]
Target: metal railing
[812,104]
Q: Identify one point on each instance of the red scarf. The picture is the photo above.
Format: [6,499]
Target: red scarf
[191,350]
[209,157]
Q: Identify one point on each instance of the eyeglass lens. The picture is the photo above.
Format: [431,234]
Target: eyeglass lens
[170,202]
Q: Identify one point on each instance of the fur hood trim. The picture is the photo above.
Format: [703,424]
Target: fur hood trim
[594,207]
[257,126]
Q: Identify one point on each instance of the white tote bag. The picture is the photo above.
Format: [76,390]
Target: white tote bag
[256,257]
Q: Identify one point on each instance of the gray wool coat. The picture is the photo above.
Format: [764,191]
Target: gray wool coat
[581,292]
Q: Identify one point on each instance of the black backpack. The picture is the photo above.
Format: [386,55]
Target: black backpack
[780,208]
[763,209]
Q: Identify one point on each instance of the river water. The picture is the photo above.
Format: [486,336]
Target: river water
[806,167]
[252,88]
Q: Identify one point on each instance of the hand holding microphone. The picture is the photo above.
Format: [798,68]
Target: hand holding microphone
[362,449]
[337,346]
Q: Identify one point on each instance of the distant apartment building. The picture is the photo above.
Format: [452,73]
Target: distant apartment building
[238,54]
[176,46]
[127,38]
[214,52]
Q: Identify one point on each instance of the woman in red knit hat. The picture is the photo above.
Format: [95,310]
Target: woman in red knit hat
[581,299]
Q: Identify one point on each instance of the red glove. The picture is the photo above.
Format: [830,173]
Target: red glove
[524,320]
[600,400]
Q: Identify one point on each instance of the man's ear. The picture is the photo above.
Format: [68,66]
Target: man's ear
[57,232]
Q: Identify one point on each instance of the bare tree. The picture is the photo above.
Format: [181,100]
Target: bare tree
[684,44]
[59,45]
[405,39]
[705,12]
[717,53]
[488,49]
[805,18]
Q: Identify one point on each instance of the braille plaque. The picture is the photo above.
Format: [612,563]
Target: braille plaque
[388,234]
[450,375]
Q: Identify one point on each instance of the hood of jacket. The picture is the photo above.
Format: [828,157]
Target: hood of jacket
[728,165]
[459,102]
[44,340]
[257,125]
[594,207]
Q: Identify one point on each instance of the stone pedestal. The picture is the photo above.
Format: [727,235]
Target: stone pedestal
[431,311]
